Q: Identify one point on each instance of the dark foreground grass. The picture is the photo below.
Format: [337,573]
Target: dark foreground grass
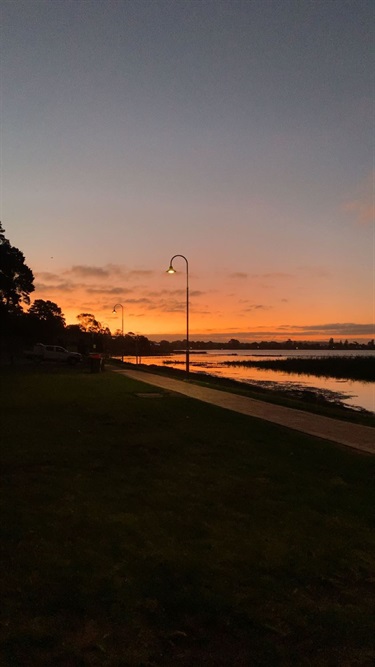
[156,530]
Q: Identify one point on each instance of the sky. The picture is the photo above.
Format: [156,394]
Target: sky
[239,134]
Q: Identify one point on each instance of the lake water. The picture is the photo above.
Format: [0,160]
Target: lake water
[352,393]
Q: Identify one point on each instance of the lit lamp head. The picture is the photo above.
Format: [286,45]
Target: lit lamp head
[114,310]
[171,269]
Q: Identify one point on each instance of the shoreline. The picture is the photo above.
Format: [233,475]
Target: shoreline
[319,401]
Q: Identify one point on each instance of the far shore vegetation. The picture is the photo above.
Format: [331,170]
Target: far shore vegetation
[348,367]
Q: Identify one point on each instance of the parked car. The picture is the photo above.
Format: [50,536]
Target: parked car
[42,352]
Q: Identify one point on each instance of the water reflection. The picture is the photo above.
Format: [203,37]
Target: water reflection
[353,393]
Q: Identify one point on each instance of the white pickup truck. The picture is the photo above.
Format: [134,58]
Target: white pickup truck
[42,352]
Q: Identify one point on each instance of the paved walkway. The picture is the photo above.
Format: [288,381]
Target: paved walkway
[342,432]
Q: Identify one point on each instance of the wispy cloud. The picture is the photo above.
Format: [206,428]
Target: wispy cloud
[139,274]
[89,271]
[170,306]
[239,274]
[337,329]
[137,301]
[315,271]
[167,292]
[64,286]
[108,290]
[107,271]
[46,275]
[361,207]
[283,332]
[275,275]
[256,306]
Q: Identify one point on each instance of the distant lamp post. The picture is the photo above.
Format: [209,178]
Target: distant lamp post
[172,270]
[122,325]
[137,349]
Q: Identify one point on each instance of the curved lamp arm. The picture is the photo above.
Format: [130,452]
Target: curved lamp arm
[172,270]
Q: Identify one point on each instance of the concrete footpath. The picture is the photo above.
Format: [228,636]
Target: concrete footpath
[343,432]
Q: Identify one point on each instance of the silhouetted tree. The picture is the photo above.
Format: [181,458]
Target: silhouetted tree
[164,346]
[47,321]
[16,283]
[88,323]
[47,310]
[95,331]
[16,278]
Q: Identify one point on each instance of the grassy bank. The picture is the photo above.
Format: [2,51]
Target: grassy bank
[145,528]
[296,398]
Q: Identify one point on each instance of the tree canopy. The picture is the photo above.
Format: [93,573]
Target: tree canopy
[87,322]
[46,321]
[16,278]
[47,311]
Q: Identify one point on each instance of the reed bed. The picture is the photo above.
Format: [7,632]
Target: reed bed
[349,368]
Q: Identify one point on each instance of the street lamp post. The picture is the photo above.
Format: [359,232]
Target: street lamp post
[122,326]
[172,270]
[137,349]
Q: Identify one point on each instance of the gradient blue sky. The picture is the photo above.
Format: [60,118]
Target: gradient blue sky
[237,133]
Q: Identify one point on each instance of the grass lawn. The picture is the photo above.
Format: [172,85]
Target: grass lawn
[142,528]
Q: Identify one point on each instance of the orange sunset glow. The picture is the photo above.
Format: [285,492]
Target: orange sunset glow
[154,303]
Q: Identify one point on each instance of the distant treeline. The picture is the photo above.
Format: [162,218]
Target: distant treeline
[234,344]
[349,368]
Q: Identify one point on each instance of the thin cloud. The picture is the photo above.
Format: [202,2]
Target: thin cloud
[315,271]
[256,306]
[283,332]
[58,287]
[361,207]
[46,275]
[169,293]
[238,274]
[330,329]
[175,292]
[342,328]
[139,273]
[168,306]
[278,275]
[89,271]
[141,300]
[107,290]
[107,271]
